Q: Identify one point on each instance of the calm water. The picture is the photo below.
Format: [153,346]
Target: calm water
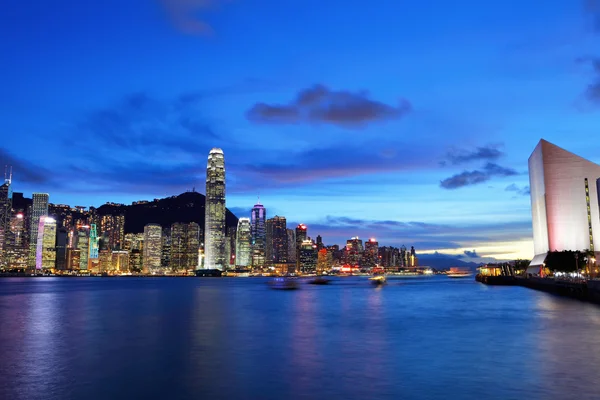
[166,338]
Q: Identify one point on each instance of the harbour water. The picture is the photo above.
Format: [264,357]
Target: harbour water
[233,338]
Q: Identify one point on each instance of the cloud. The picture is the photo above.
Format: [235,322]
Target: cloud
[471,254]
[319,104]
[523,191]
[457,156]
[468,178]
[592,93]
[184,14]
[24,171]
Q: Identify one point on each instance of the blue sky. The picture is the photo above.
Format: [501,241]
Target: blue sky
[405,120]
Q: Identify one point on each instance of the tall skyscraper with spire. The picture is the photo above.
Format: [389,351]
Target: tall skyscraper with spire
[258,228]
[214,223]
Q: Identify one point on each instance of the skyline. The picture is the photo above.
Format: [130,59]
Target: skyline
[407,125]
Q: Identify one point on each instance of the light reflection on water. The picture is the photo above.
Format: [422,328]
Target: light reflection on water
[236,339]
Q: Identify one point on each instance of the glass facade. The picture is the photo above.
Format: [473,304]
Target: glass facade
[215,212]
[243,243]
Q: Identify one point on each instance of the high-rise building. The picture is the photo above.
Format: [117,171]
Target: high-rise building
[5,219]
[269,242]
[564,201]
[39,208]
[185,243]
[82,243]
[120,261]
[215,211]
[258,229]
[243,243]
[319,243]
[301,236]
[152,248]
[353,252]
[279,240]
[232,236]
[113,228]
[324,260]
[371,254]
[308,257]
[291,240]
[61,248]
[17,251]
[192,248]
[165,257]
[48,245]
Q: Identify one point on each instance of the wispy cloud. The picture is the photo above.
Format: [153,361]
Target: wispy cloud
[319,104]
[185,14]
[467,178]
[523,191]
[462,156]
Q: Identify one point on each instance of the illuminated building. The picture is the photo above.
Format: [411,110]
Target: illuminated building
[214,226]
[48,246]
[93,242]
[152,248]
[134,241]
[232,238]
[354,251]
[291,246]
[564,201]
[39,208]
[113,227]
[165,257]
[16,251]
[279,240]
[136,260]
[258,230]
[324,260]
[120,261]
[5,219]
[243,243]
[371,254]
[104,261]
[82,243]
[73,259]
[301,236]
[269,242]
[185,243]
[308,257]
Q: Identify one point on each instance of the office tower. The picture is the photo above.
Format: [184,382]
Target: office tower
[243,243]
[301,236]
[94,247]
[232,236]
[192,249]
[308,257]
[39,208]
[133,241]
[269,242]
[279,240]
[319,243]
[214,226]
[82,244]
[165,257]
[324,260]
[564,201]
[258,217]
[120,261]
[61,248]
[371,254]
[113,228]
[354,250]
[152,248]
[136,260]
[104,261]
[291,246]
[5,219]
[17,251]
[47,233]
[403,259]
[73,259]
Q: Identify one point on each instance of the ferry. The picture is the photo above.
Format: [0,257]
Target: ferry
[456,272]
[378,280]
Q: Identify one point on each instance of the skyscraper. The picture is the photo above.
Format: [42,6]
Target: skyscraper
[243,243]
[371,254]
[308,257]
[82,244]
[152,248]
[565,189]
[258,217]
[301,236]
[39,208]
[47,249]
[269,242]
[5,219]
[214,226]
[279,240]
[291,244]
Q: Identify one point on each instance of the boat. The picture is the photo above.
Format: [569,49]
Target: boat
[319,280]
[456,272]
[283,284]
[378,280]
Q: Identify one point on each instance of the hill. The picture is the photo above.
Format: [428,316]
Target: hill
[444,261]
[187,207]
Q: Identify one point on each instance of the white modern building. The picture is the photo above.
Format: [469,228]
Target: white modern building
[215,212]
[243,243]
[564,201]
